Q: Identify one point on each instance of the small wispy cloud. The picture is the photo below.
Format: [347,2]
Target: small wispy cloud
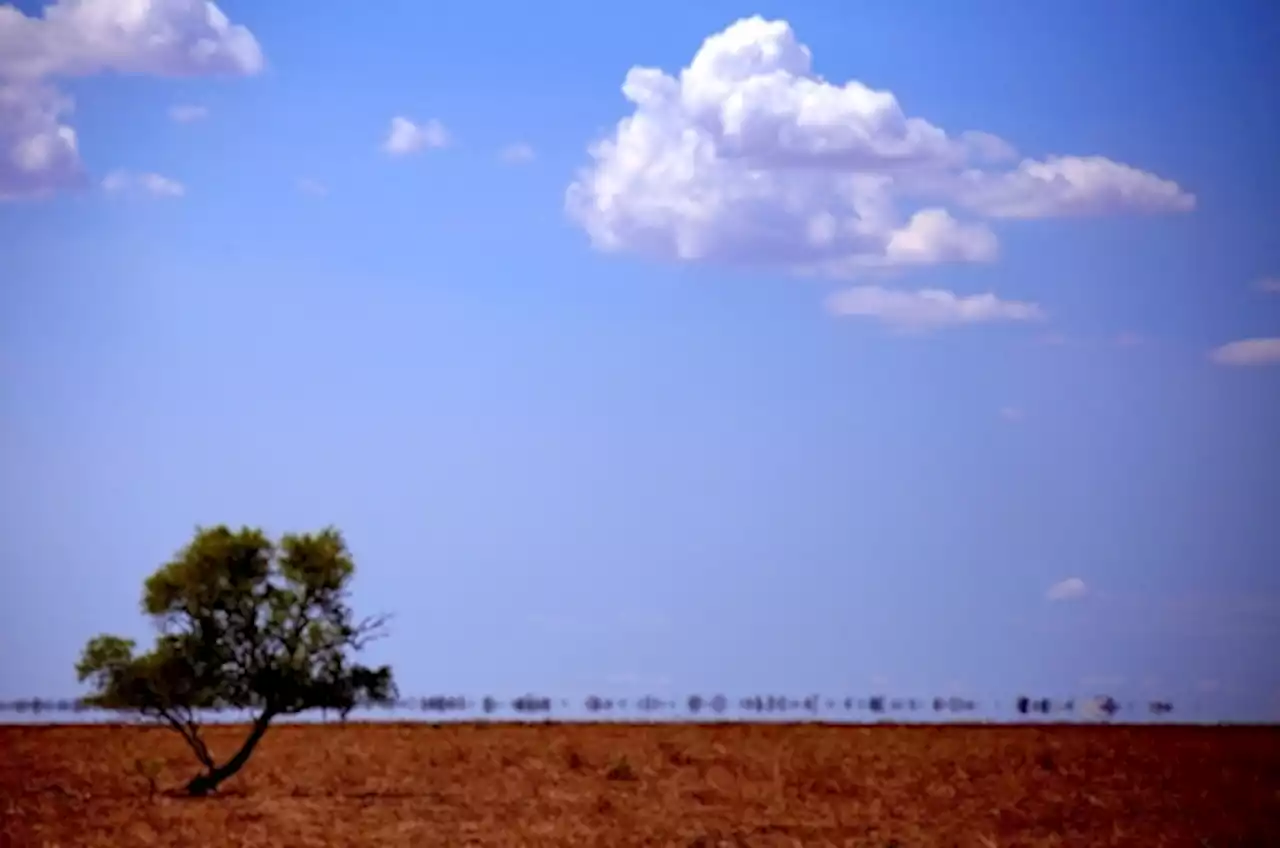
[929,309]
[186,114]
[1270,285]
[1244,352]
[1012,414]
[154,185]
[313,188]
[405,137]
[1071,589]
[517,154]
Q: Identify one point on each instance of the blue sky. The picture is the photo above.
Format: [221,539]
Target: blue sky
[671,413]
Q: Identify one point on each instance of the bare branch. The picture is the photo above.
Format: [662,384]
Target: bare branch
[369,630]
[190,733]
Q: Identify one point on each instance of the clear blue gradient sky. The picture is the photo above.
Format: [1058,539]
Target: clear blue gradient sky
[674,416]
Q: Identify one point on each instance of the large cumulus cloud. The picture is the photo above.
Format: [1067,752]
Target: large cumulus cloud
[747,157]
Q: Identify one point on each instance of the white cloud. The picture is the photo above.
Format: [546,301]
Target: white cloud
[1068,186]
[315,188]
[984,146]
[155,185]
[516,154]
[1071,589]
[404,136]
[187,114]
[929,309]
[1269,285]
[1264,351]
[1012,413]
[39,153]
[156,37]
[748,157]
[933,236]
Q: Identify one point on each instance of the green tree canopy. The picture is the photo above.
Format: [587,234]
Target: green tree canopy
[243,623]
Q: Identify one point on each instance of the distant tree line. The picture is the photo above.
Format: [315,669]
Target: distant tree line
[692,705]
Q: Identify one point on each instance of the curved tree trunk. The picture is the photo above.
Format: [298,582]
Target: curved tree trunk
[203,784]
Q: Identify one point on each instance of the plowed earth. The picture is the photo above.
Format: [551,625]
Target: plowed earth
[623,785]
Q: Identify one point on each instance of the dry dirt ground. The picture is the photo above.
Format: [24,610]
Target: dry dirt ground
[622,785]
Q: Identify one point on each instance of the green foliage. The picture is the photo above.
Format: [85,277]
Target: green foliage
[247,624]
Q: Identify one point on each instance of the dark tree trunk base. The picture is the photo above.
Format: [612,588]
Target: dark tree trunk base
[202,784]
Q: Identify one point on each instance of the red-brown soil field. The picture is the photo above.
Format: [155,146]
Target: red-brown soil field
[622,785]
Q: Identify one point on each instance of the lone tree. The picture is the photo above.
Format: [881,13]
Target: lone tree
[243,624]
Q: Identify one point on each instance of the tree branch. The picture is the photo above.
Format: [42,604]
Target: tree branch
[190,732]
[369,630]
